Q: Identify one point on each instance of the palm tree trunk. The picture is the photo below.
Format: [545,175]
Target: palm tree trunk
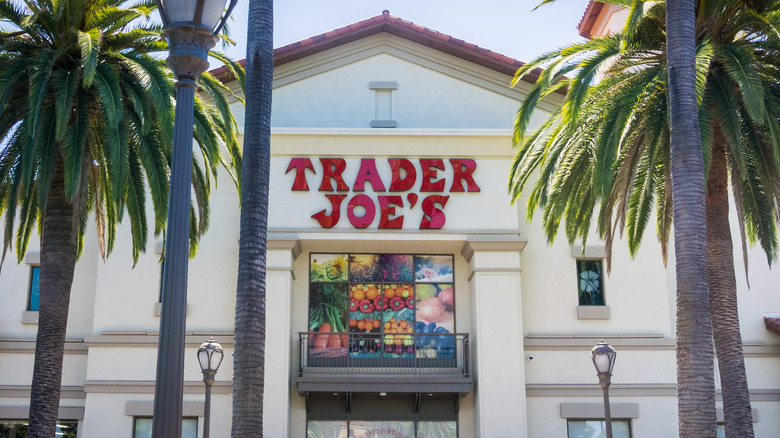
[695,368]
[249,356]
[723,299]
[58,261]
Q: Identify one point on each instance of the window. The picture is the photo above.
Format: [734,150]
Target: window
[32,301]
[590,282]
[597,428]
[142,427]
[380,429]
[18,428]
[382,301]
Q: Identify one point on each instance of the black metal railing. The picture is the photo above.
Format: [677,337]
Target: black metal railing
[387,354]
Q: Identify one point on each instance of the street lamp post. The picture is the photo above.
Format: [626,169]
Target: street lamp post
[603,356]
[190,28]
[210,357]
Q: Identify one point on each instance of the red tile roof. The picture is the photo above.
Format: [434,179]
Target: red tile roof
[773,325]
[401,28]
[589,18]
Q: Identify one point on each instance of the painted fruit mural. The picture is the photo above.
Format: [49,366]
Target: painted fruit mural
[381,305]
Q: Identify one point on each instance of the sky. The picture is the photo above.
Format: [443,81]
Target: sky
[508,27]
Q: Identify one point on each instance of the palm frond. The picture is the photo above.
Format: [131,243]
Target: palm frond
[738,64]
[89,43]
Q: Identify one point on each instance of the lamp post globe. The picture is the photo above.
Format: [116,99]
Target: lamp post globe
[603,356]
[210,356]
[190,27]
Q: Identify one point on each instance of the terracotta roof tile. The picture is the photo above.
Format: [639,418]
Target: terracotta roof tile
[589,17]
[401,28]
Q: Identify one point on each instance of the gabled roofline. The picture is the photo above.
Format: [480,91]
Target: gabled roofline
[589,18]
[398,27]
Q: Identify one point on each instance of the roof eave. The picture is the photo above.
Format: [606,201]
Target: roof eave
[589,18]
[398,27]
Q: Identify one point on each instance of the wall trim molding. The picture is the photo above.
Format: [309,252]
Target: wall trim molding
[134,408]
[588,411]
[647,341]
[30,316]
[22,412]
[23,391]
[284,242]
[32,258]
[27,345]
[509,244]
[150,339]
[594,390]
[629,390]
[494,271]
[147,387]
[590,252]
[593,312]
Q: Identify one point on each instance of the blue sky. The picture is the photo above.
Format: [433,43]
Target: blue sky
[505,26]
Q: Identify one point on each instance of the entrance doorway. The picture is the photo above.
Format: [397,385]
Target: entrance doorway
[382,429]
[382,415]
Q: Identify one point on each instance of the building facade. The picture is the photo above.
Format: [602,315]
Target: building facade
[406,296]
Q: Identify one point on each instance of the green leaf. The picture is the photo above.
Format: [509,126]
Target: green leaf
[739,64]
[89,43]
[65,85]
[74,144]
[39,80]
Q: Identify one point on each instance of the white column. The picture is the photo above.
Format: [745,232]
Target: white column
[497,338]
[280,257]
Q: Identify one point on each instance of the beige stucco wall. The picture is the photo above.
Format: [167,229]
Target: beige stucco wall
[611,19]
[445,108]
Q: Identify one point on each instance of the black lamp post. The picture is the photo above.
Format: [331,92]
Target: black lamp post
[190,28]
[603,356]
[210,357]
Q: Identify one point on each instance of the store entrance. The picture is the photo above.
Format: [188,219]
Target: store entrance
[382,429]
[348,415]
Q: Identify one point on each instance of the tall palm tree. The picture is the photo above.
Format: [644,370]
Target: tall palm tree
[86,121]
[610,145]
[695,377]
[249,355]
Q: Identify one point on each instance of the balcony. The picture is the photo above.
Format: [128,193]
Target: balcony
[359,362]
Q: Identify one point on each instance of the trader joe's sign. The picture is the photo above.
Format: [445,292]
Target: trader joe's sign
[362,209]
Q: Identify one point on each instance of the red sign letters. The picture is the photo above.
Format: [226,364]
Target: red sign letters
[362,209]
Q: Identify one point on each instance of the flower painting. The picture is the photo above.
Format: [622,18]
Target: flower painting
[328,267]
[381,267]
[433,268]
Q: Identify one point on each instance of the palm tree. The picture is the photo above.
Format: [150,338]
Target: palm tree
[86,121]
[610,144]
[695,377]
[249,354]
